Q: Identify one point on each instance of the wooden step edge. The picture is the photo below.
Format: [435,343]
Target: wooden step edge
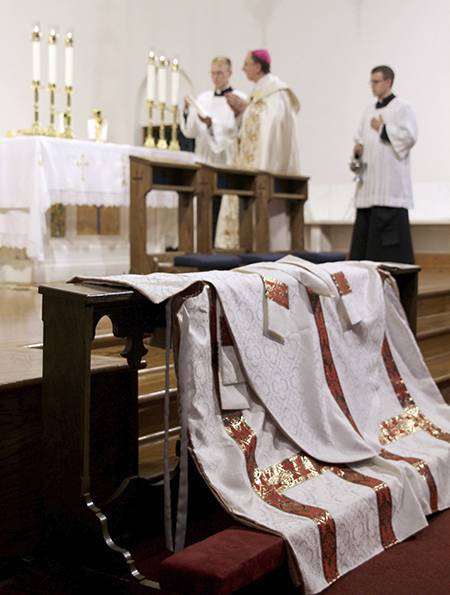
[443,356]
[443,359]
[158,436]
[430,260]
[431,292]
[443,381]
[433,332]
[433,316]
[149,398]
[148,371]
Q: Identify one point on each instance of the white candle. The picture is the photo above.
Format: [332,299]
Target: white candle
[36,52]
[162,79]
[52,57]
[151,76]
[68,59]
[175,81]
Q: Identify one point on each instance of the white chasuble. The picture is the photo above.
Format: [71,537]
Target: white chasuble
[333,517]
[387,179]
[268,141]
[309,409]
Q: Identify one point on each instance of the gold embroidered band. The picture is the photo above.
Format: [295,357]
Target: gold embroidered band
[412,418]
[277,291]
[340,280]
[327,358]
[421,467]
[270,483]
[270,487]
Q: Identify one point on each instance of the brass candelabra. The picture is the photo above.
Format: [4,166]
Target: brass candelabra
[36,128]
[149,140]
[51,130]
[174,144]
[162,143]
[68,132]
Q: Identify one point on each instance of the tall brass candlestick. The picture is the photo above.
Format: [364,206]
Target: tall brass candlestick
[68,83]
[51,130]
[174,144]
[149,140]
[68,132]
[52,38]
[162,143]
[36,126]
[36,50]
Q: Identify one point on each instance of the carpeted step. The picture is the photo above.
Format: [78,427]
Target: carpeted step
[223,563]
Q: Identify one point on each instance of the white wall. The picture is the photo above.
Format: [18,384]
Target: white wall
[323,48]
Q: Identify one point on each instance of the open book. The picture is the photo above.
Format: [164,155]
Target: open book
[198,108]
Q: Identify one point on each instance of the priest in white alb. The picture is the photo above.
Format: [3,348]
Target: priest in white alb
[268,134]
[212,123]
[386,135]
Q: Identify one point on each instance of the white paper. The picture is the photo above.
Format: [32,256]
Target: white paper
[198,108]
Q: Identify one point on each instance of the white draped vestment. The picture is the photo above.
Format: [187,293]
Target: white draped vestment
[268,141]
[309,409]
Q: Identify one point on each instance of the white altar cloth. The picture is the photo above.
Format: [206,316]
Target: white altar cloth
[37,172]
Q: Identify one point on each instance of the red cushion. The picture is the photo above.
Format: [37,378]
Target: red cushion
[223,563]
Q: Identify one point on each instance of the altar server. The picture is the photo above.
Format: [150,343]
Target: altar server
[268,133]
[215,131]
[386,135]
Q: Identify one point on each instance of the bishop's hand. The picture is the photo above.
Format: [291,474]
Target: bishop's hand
[236,103]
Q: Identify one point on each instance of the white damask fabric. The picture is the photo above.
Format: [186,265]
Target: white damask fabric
[37,172]
[322,425]
[350,509]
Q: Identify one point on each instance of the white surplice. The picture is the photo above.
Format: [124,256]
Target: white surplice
[217,145]
[387,179]
[268,141]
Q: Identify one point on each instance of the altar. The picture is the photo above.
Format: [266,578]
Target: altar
[37,173]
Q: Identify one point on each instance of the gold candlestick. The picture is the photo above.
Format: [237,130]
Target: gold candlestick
[68,132]
[68,84]
[36,36]
[149,140]
[36,128]
[52,39]
[51,130]
[162,143]
[174,144]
